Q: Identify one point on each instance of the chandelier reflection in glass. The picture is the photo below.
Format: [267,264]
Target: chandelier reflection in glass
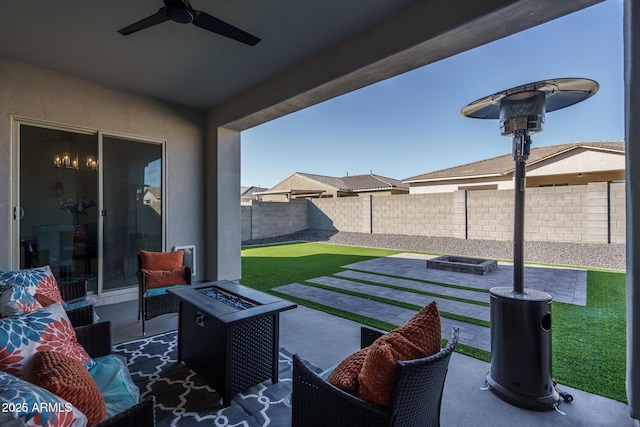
[67,160]
[91,163]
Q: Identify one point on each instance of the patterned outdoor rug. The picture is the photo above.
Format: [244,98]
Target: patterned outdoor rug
[183,398]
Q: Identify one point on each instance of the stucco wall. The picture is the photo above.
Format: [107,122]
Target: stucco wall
[503,183]
[35,94]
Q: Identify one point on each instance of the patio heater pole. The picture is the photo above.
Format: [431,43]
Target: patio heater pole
[521,318]
[521,144]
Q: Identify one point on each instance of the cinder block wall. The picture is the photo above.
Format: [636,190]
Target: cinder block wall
[593,213]
[341,214]
[440,214]
[261,220]
[490,214]
[618,214]
[245,222]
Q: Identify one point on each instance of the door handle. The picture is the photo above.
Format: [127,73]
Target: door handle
[18,212]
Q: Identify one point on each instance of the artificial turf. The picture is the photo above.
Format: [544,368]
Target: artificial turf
[588,343]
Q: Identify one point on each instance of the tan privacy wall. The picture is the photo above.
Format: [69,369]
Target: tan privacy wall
[593,213]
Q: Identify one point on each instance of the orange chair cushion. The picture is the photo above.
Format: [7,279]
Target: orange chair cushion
[161,260]
[67,378]
[419,337]
[345,375]
[163,278]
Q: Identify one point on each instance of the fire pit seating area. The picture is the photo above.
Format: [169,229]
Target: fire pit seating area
[158,271]
[396,379]
[52,374]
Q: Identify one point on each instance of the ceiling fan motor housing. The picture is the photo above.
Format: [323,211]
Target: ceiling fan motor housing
[179,11]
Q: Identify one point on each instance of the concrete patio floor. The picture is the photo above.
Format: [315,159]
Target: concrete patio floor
[324,340]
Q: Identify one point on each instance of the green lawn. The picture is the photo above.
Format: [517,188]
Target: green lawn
[588,342]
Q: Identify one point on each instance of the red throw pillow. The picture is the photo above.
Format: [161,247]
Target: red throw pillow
[419,337]
[345,375]
[67,378]
[162,278]
[161,260]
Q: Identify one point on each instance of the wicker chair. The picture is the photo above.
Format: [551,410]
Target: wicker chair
[74,290]
[96,340]
[158,301]
[415,398]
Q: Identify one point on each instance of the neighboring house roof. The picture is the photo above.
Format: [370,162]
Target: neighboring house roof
[356,183]
[504,165]
[247,192]
[155,191]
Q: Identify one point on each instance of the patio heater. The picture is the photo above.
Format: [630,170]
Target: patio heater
[521,318]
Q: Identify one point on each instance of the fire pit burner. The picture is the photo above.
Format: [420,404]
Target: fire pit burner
[463,264]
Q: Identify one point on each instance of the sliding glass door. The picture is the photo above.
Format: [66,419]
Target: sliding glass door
[132,213]
[87,204]
[58,208]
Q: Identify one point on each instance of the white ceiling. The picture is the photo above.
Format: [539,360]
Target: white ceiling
[179,62]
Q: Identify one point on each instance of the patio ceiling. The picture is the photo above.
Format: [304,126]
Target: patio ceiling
[179,63]
[193,67]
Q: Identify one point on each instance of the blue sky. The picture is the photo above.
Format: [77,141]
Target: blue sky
[411,124]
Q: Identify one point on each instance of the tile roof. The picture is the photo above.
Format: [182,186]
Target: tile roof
[366,182]
[248,191]
[502,165]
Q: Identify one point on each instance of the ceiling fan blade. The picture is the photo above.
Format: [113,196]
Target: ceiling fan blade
[158,18]
[208,22]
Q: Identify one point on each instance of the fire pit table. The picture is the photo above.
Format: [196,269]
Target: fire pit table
[229,334]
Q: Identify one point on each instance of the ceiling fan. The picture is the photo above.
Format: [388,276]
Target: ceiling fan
[181,11]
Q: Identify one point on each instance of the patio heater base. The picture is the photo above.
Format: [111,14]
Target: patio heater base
[535,403]
[521,349]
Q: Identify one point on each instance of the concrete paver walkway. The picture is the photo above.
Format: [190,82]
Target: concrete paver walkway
[470,334]
[563,284]
[479,295]
[408,271]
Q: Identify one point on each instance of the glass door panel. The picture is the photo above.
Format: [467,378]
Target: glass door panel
[132,209]
[58,202]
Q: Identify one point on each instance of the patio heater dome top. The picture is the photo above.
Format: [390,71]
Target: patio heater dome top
[522,108]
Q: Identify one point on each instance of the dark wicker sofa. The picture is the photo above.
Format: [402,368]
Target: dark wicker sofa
[96,340]
[74,290]
[415,398]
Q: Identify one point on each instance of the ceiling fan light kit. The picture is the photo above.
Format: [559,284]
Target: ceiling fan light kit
[180,11]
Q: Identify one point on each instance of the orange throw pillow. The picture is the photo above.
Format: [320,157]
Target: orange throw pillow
[162,278]
[345,375]
[419,337]
[44,300]
[161,260]
[67,378]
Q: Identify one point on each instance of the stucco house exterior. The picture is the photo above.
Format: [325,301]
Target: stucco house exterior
[577,163]
[189,95]
[305,185]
